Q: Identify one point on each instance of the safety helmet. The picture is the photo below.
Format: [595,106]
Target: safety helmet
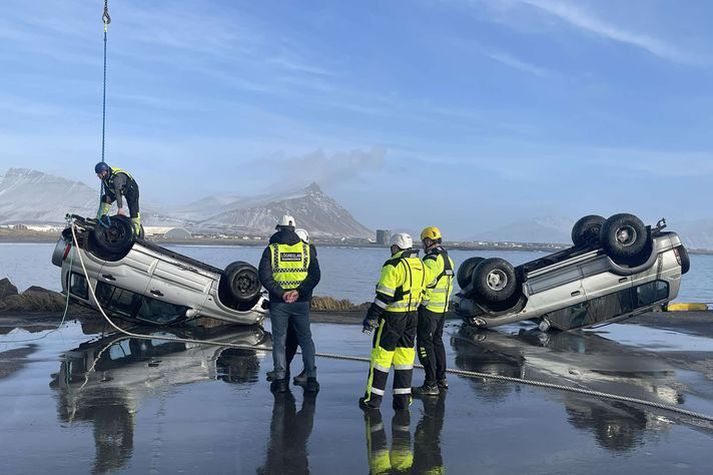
[401,240]
[101,167]
[431,232]
[303,234]
[286,221]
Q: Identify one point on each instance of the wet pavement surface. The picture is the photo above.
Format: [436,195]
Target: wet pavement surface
[77,403]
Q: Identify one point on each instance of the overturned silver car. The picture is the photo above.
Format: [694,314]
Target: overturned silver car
[137,280]
[617,268]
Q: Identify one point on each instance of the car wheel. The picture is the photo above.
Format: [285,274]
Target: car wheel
[494,280]
[684,259]
[465,271]
[115,239]
[240,281]
[623,237]
[587,230]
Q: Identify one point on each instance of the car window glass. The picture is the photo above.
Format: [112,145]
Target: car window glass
[78,286]
[119,350]
[155,311]
[612,305]
[652,292]
[117,300]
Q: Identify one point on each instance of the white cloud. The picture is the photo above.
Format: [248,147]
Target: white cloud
[587,21]
[513,62]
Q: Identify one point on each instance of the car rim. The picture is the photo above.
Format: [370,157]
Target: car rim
[497,280]
[626,235]
[114,234]
[244,283]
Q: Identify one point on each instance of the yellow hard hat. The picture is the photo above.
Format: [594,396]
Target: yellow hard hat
[431,232]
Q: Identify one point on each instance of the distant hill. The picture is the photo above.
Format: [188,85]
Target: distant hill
[552,229]
[313,210]
[696,234]
[33,197]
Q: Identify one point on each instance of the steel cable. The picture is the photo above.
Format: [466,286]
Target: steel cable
[469,374]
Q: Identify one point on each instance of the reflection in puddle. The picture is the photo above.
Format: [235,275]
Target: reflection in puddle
[104,381]
[655,339]
[577,359]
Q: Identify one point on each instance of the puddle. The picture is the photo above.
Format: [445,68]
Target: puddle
[654,339]
[105,403]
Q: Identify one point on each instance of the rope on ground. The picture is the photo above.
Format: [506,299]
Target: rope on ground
[469,374]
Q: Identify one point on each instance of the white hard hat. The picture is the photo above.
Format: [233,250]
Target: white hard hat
[401,240]
[303,234]
[287,220]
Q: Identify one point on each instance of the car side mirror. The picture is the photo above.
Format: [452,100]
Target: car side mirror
[661,224]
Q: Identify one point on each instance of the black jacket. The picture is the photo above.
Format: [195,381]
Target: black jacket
[289,237]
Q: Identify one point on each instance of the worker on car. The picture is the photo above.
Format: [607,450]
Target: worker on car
[291,340]
[432,313]
[118,184]
[393,315]
[289,271]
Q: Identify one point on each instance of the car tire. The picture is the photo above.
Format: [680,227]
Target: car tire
[115,240]
[494,280]
[465,271]
[685,259]
[240,282]
[624,237]
[586,231]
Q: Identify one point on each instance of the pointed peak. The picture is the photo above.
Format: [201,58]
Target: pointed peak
[313,188]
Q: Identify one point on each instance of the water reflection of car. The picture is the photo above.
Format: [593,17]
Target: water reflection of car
[104,381]
[138,280]
[574,359]
[616,269]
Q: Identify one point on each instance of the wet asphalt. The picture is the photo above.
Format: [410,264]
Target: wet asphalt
[80,401]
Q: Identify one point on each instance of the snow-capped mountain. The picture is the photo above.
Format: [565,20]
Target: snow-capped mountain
[32,197]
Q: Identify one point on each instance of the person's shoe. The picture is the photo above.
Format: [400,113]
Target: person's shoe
[311,385]
[279,385]
[426,390]
[271,375]
[364,405]
[443,384]
[300,379]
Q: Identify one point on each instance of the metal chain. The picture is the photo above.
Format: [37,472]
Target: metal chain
[468,374]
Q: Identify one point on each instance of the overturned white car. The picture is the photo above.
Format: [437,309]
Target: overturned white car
[137,280]
[617,268]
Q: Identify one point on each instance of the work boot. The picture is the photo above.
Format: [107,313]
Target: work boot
[443,384]
[426,390]
[279,385]
[365,405]
[300,379]
[311,385]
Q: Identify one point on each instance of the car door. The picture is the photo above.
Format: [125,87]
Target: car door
[555,289]
[133,272]
[178,284]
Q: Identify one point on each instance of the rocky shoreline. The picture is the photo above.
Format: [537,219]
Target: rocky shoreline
[38,308]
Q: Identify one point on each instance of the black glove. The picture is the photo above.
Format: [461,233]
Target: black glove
[371,321]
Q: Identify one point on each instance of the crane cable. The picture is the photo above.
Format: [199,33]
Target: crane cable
[106,19]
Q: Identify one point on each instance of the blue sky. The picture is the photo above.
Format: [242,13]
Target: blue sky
[467,114]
